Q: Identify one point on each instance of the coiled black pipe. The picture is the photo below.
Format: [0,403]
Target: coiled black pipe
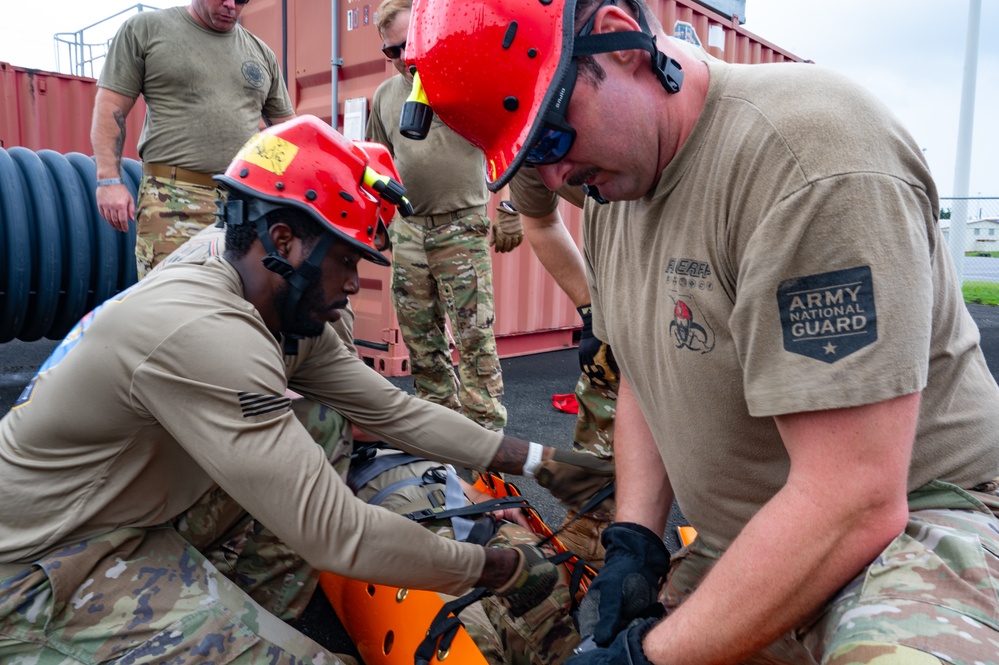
[58,257]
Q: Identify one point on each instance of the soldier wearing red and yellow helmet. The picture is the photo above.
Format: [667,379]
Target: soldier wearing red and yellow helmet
[168,404]
[320,184]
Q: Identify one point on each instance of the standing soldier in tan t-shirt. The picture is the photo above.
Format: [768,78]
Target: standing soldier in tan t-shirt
[207,83]
[440,255]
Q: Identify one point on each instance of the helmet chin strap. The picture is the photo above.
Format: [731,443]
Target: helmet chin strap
[254,210]
[667,70]
[299,279]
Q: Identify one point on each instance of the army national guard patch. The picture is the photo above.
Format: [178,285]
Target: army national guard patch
[828,316]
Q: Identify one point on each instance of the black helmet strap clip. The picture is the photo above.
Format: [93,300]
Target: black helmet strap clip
[299,279]
[666,69]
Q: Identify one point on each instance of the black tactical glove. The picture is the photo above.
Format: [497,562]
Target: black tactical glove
[595,358]
[627,587]
[574,478]
[533,581]
[625,650]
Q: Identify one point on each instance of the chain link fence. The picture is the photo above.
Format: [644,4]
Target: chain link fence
[978,236]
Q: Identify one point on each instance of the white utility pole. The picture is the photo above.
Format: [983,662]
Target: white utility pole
[965,130]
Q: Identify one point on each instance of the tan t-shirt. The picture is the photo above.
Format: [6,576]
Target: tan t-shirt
[789,260]
[176,385]
[443,172]
[205,91]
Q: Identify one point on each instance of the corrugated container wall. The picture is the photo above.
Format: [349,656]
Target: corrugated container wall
[532,313]
[48,111]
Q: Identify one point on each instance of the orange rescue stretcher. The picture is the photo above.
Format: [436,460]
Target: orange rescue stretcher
[389,624]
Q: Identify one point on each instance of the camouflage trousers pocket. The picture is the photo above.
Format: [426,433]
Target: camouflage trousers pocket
[213,635]
[945,558]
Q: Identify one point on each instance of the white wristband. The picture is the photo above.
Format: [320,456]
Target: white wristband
[534,452]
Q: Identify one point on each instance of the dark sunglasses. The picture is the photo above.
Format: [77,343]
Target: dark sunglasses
[393,52]
[241,2]
[557,135]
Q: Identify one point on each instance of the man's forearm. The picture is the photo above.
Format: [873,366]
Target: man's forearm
[783,566]
[559,254]
[107,132]
[843,502]
[643,492]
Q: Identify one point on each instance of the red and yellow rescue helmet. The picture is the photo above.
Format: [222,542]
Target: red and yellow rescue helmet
[382,162]
[306,164]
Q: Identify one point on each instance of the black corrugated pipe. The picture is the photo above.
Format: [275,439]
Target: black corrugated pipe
[58,257]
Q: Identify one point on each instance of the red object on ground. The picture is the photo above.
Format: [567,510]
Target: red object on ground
[566,403]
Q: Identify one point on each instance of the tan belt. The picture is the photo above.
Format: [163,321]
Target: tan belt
[430,221]
[177,173]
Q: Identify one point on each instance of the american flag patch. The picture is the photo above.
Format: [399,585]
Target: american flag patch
[255,404]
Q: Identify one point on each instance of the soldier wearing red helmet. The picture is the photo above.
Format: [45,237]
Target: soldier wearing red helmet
[159,498]
[831,437]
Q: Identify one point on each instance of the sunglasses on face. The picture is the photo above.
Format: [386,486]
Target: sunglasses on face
[241,2]
[393,52]
[557,135]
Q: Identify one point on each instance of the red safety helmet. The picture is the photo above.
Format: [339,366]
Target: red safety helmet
[306,164]
[520,48]
[382,162]
[499,71]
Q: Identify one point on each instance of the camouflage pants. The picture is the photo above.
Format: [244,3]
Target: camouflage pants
[447,270]
[168,214]
[214,585]
[931,596]
[594,433]
[140,596]
[545,635]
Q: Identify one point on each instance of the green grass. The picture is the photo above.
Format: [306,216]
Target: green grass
[989,254]
[982,293]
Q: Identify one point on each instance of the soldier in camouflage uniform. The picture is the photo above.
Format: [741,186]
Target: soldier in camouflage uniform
[441,268]
[144,467]
[195,123]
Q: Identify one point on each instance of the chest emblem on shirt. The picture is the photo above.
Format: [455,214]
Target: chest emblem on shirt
[254,74]
[255,404]
[830,315]
[689,329]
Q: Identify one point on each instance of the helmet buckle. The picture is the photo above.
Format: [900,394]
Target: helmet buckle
[279,265]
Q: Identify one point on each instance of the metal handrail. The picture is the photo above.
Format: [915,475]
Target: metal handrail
[83,55]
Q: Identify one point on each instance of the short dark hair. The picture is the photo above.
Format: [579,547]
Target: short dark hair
[240,237]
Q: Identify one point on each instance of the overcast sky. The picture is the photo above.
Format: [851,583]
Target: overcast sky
[910,53]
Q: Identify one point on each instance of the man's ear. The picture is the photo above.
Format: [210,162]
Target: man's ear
[283,238]
[615,19]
